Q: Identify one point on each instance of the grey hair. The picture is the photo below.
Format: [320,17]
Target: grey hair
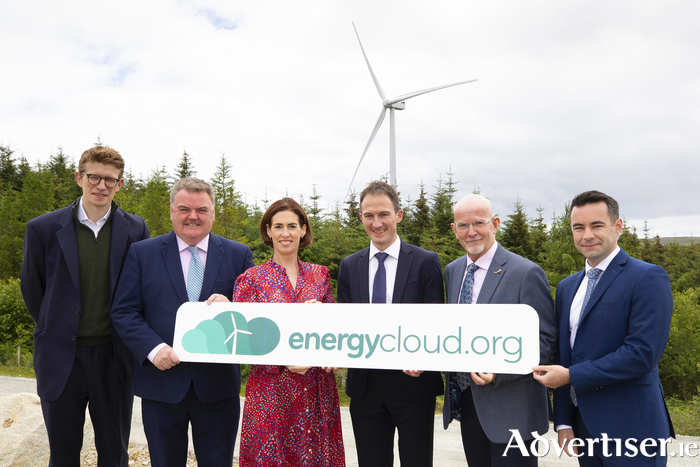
[192,185]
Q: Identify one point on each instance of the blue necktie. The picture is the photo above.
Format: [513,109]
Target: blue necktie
[465,296]
[379,286]
[195,275]
[592,278]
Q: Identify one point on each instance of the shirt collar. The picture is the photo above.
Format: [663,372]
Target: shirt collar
[484,261]
[83,217]
[392,250]
[606,262]
[203,245]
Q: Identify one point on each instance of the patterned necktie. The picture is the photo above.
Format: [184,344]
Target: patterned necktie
[592,278]
[379,286]
[195,275]
[465,296]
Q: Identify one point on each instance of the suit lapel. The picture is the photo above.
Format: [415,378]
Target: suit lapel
[68,240]
[496,271]
[456,280]
[611,272]
[120,235]
[215,254]
[363,274]
[403,267]
[171,257]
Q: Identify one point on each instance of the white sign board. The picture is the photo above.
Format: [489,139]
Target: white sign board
[486,338]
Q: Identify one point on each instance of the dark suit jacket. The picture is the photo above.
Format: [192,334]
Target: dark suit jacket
[150,291]
[418,280]
[513,401]
[619,342]
[50,284]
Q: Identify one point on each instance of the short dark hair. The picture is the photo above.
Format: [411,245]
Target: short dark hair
[378,188]
[286,204]
[192,185]
[593,197]
[102,155]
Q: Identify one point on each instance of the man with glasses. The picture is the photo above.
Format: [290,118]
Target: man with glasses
[72,261]
[488,405]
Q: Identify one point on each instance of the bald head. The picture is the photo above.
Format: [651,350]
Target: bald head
[475,225]
[474,201]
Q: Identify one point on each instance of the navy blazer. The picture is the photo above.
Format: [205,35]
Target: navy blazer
[513,401]
[619,342]
[150,291]
[418,280]
[50,284]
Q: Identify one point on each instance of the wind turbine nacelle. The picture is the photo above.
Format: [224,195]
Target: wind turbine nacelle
[397,105]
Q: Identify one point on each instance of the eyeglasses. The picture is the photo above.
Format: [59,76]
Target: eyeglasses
[96,179]
[477,225]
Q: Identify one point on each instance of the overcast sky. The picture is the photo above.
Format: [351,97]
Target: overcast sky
[571,96]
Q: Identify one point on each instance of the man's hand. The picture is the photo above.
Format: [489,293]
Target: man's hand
[414,373]
[552,376]
[166,358]
[565,437]
[482,379]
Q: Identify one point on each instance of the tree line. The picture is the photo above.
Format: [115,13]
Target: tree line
[27,191]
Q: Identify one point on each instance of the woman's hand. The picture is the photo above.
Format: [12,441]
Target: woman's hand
[313,300]
[217,297]
[300,370]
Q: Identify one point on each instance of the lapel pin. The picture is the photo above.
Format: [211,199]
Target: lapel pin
[496,272]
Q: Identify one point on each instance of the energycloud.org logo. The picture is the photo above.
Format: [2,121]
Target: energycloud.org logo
[230,330]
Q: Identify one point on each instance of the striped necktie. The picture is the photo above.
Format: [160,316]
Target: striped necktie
[195,275]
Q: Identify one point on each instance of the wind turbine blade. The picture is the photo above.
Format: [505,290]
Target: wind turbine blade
[404,97]
[371,72]
[382,114]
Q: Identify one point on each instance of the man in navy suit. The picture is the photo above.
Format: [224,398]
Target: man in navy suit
[383,401]
[614,320]
[489,405]
[72,261]
[160,274]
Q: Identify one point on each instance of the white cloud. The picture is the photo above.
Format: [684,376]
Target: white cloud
[571,95]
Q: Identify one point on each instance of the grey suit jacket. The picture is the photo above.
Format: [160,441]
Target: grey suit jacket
[512,401]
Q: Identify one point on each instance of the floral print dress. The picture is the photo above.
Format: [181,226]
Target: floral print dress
[289,419]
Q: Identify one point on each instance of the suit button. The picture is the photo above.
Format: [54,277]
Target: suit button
[72,338]
[77,312]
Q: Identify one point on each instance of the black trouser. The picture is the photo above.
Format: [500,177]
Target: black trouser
[92,383]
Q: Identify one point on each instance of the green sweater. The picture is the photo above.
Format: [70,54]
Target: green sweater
[95,301]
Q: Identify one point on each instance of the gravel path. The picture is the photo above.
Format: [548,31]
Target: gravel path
[448,443]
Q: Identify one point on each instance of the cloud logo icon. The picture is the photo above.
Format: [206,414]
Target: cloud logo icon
[229,331]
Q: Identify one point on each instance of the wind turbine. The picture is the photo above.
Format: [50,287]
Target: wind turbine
[395,103]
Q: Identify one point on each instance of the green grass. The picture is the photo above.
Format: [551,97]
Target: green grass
[685,415]
[17,371]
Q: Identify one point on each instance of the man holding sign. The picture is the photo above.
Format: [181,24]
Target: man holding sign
[390,271]
[160,274]
[490,405]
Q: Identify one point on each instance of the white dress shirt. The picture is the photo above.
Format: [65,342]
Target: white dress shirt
[390,265]
[575,312]
[94,226]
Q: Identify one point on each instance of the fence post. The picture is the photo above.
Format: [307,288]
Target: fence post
[19,355]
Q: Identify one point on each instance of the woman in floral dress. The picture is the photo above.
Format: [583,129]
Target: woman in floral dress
[291,415]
